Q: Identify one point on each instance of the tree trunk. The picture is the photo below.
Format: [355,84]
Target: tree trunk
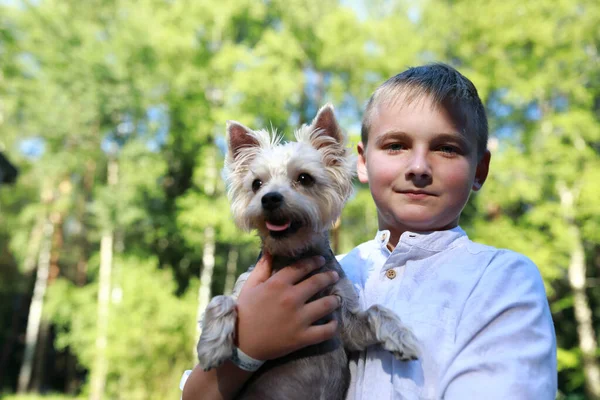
[232,259]
[100,363]
[208,253]
[35,310]
[39,371]
[581,304]
[33,250]
[583,316]
[100,367]
[33,246]
[208,265]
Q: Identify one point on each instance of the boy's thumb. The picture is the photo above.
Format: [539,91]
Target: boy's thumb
[261,271]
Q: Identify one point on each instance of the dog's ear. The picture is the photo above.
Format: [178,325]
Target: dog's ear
[326,124]
[327,137]
[238,138]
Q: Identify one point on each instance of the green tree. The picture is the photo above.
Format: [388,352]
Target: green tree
[149,85]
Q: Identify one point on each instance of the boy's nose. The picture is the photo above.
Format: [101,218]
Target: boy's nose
[419,170]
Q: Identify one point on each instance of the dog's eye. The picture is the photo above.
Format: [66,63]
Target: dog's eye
[256,184]
[305,179]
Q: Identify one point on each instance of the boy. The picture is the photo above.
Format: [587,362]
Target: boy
[480,313]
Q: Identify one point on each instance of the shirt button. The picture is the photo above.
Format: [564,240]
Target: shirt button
[390,273]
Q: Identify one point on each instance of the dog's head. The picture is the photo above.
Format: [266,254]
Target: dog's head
[291,193]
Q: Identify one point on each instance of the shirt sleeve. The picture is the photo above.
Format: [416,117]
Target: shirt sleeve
[505,340]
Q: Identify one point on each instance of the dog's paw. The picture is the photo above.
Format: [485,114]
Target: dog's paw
[218,327]
[403,344]
[209,360]
[393,335]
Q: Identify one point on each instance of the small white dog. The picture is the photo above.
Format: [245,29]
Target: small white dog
[291,194]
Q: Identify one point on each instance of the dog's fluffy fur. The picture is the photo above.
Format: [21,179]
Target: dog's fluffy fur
[291,194]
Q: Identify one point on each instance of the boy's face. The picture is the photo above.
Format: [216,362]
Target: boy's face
[419,167]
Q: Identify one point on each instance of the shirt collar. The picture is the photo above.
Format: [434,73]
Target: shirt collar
[435,241]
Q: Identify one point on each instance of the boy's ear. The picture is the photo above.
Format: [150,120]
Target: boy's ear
[326,123]
[239,137]
[361,163]
[483,167]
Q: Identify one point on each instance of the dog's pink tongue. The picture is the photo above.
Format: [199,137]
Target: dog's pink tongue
[277,228]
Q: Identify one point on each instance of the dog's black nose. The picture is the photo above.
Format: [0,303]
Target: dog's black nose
[272,200]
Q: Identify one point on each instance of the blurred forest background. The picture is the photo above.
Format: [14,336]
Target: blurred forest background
[117,229]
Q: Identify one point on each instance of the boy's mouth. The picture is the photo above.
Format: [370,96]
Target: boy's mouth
[416,195]
[416,192]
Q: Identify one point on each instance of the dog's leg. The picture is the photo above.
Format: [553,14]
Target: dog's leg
[237,288]
[376,325]
[218,328]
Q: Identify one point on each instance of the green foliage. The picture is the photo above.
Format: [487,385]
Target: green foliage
[150,84]
[150,334]
[359,220]
[41,397]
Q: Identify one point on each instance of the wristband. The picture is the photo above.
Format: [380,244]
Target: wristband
[244,361]
[184,378]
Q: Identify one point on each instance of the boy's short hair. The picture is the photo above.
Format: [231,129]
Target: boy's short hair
[446,87]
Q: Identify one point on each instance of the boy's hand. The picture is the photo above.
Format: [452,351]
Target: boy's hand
[273,317]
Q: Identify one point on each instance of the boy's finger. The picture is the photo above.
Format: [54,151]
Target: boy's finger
[320,308]
[261,271]
[320,333]
[295,273]
[313,285]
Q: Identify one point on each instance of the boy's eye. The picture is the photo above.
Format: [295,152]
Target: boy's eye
[395,147]
[305,179]
[448,149]
[256,185]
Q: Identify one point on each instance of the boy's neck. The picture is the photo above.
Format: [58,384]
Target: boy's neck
[396,235]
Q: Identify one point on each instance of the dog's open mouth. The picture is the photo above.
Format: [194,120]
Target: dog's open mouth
[278,228]
[281,228]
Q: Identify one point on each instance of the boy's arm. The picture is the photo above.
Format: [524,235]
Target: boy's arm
[274,319]
[220,383]
[505,337]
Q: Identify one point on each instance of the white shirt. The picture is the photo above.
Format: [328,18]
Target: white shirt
[480,313]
